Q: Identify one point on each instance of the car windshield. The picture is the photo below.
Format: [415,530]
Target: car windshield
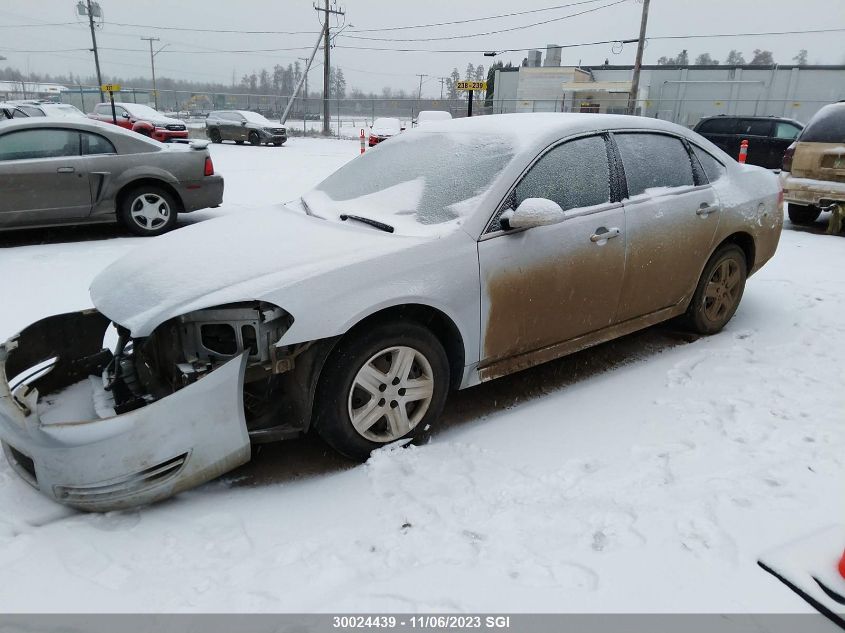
[64,110]
[419,182]
[254,117]
[137,109]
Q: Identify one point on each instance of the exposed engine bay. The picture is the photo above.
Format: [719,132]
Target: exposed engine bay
[184,349]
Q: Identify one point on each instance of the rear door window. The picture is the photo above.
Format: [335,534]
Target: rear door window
[718,126]
[40,143]
[653,161]
[827,126]
[755,127]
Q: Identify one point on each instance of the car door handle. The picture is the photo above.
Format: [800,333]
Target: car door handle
[706,209]
[65,170]
[604,234]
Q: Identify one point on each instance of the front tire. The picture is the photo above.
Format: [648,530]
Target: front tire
[148,211]
[719,290]
[254,139]
[803,215]
[385,384]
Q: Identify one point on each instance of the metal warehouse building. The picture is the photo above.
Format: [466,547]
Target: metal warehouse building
[683,94]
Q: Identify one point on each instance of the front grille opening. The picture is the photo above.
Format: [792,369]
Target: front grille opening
[24,462]
[219,338]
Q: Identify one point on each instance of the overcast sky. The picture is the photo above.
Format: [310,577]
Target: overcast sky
[371,70]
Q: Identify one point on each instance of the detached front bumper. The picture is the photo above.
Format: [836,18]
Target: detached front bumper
[119,461]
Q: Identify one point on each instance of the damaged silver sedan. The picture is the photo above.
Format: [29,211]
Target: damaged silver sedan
[457,253]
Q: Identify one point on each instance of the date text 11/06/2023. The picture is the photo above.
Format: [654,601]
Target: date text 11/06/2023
[432,622]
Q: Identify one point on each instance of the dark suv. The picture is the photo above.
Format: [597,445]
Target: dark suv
[243,125]
[767,136]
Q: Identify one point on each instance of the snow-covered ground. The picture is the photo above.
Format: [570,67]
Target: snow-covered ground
[645,475]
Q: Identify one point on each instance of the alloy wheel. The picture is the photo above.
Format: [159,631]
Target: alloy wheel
[723,290]
[390,394]
[150,211]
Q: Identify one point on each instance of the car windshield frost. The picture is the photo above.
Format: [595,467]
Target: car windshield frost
[142,110]
[254,117]
[414,182]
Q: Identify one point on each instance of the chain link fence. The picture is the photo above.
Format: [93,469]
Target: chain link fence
[348,116]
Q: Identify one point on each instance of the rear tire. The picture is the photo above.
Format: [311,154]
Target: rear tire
[803,215]
[147,211]
[719,291]
[214,135]
[392,379]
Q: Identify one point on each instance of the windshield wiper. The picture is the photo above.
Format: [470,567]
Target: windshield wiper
[305,206]
[379,225]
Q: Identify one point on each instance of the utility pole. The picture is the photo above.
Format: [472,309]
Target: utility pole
[419,95]
[638,62]
[92,9]
[305,70]
[327,12]
[442,81]
[153,65]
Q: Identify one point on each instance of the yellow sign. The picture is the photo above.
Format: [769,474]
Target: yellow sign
[472,85]
[110,87]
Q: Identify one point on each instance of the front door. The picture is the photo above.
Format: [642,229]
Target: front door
[549,284]
[43,177]
[671,218]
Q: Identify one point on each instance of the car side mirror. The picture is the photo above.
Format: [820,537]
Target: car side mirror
[532,212]
[243,122]
[125,115]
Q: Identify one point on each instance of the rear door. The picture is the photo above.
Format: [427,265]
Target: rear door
[721,131]
[758,133]
[671,215]
[43,177]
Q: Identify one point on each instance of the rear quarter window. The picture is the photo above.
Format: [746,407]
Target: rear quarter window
[827,126]
[713,169]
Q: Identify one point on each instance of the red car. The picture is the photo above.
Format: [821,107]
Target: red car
[142,119]
[383,129]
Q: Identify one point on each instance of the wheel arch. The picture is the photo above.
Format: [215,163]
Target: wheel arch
[746,242]
[435,320]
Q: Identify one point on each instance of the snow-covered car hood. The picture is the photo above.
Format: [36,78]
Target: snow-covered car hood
[234,258]
[166,120]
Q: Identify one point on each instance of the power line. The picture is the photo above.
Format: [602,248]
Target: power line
[429,50]
[508,30]
[23,26]
[197,30]
[489,17]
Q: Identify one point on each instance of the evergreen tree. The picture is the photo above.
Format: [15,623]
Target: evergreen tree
[762,58]
[801,57]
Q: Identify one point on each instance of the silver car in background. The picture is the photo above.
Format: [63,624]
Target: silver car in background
[62,171]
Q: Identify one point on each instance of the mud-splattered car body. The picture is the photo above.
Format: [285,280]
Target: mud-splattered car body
[233,352]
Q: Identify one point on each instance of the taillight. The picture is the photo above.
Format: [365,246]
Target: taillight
[209,167]
[786,165]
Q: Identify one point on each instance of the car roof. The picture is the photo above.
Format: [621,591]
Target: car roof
[88,125]
[530,130]
[769,117]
